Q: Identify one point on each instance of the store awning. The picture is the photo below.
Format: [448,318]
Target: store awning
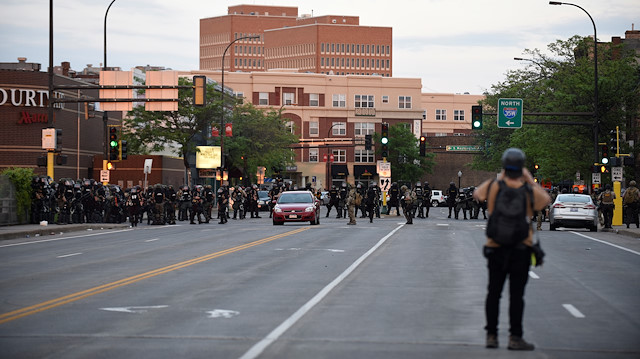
[364,170]
[339,170]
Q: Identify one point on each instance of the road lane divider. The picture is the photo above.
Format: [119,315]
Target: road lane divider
[257,349]
[37,308]
[573,310]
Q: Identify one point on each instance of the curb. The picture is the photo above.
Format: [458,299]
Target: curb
[58,229]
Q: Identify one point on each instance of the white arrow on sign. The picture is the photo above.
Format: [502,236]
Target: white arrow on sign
[222,313]
[509,123]
[142,309]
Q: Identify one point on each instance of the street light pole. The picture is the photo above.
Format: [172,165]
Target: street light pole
[222,127]
[596,125]
[105,117]
[459,178]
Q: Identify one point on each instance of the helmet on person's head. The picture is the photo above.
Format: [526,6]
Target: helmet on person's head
[418,184]
[632,183]
[513,160]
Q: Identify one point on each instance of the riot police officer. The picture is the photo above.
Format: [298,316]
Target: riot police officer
[419,199]
[207,199]
[184,203]
[426,202]
[223,205]
[333,200]
[452,194]
[342,201]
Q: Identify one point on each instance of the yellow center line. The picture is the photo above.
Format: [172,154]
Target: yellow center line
[19,313]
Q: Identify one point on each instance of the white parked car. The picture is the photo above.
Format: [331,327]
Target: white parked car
[437,198]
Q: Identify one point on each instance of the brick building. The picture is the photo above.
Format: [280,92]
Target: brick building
[330,44]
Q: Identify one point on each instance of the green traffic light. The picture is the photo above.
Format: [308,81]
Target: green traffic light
[113,143]
[384,140]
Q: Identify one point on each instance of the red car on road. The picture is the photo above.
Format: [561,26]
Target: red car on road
[296,206]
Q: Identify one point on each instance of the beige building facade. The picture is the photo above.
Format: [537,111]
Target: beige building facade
[332,114]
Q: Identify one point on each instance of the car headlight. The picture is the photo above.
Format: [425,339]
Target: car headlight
[277,209]
[309,209]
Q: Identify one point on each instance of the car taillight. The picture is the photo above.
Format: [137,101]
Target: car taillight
[589,206]
[558,205]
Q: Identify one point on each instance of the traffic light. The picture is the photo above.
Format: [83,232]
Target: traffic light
[199,90]
[384,140]
[367,142]
[423,146]
[123,149]
[111,166]
[476,117]
[603,169]
[615,161]
[114,148]
[58,140]
[605,154]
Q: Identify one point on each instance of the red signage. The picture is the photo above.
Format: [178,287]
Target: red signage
[27,118]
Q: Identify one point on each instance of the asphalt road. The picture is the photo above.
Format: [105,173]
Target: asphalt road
[249,289]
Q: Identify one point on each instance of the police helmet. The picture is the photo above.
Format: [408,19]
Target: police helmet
[418,184]
[632,183]
[513,161]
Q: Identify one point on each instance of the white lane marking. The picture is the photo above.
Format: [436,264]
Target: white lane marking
[573,310]
[442,224]
[222,313]
[141,309]
[313,249]
[533,275]
[607,243]
[69,255]
[59,239]
[260,346]
[152,240]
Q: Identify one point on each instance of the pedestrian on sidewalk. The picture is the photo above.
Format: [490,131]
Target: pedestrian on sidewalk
[631,202]
[606,204]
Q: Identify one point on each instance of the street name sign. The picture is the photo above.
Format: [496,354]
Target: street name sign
[510,113]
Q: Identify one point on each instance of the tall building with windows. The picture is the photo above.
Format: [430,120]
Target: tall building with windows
[329,44]
[331,115]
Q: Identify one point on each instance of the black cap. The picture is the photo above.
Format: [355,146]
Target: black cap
[513,161]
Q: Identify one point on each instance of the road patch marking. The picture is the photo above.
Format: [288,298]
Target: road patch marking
[573,310]
[69,255]
[222,313]
[137,310]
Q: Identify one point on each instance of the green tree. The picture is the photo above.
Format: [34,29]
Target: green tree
[260,138]
[563,82]
[21,180]
[177,131]
[404,155]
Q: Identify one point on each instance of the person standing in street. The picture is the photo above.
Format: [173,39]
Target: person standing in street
[631,202]
[354,200]
[452,194]
[606,204]
[512,258]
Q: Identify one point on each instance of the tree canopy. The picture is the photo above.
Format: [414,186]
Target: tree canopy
[563,81]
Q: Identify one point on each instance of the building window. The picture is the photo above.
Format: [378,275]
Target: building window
[314,99]
[424,114]
[314,129]
[339,100]
[364,156]
[339,129]
[339,156]
[385,99]
[290,126]
[404,101]
[364,101]
[288,98]
[458,115]
[313,155]
[322,47]
[263,98]
[441,115]
[364,128]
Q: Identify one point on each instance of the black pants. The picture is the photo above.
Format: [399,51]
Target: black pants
[607,212]
[503,263]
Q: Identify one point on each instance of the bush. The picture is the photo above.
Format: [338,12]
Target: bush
[21,179]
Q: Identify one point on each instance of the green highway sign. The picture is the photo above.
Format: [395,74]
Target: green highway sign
[510,113]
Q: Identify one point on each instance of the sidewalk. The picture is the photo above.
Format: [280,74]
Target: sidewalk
[36,230]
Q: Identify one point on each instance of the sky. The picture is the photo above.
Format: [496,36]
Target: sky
[453,46]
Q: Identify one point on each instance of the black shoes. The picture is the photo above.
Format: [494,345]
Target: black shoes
[492,341]
[517,343]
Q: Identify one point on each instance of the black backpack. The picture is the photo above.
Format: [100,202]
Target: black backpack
[509,223]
